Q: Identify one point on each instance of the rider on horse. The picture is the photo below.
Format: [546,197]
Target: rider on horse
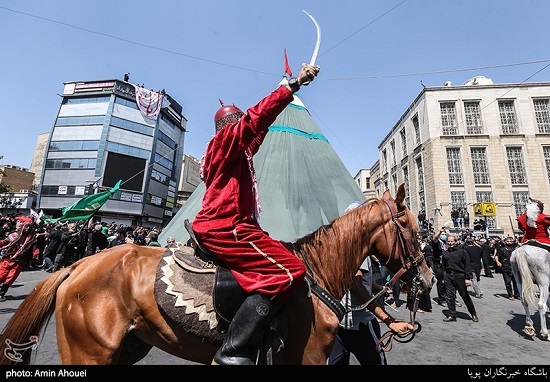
[227,225]
[534,224]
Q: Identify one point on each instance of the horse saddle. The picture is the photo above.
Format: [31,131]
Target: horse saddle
[227,293]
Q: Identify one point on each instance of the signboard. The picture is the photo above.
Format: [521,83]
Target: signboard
[478,209]
[489,209]
[485,209]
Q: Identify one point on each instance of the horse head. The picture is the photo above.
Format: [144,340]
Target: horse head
[405,259]
[382,227]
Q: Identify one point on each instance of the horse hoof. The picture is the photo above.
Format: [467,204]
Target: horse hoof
[529,330]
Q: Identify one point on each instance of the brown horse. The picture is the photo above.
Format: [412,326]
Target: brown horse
[107,310]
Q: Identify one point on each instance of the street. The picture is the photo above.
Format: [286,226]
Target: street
[497,339]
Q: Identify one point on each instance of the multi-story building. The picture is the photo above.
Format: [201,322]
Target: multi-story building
[189,180]
[456,146]
[18,198]
[37,162]
[363,180]
[112,130]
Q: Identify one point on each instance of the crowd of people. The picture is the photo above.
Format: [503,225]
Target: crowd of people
[26,243]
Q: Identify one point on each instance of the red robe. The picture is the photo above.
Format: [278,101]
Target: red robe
[17,251]
[226,225]
[540,233]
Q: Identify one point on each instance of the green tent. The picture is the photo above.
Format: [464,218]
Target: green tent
[302,182]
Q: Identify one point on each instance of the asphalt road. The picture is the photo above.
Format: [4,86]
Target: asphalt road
[497,339]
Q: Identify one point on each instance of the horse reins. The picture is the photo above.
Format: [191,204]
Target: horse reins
[409,259]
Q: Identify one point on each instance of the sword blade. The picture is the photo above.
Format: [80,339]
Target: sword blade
[318,43]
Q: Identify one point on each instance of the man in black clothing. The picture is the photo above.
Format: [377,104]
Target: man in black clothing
[97,241]
[54,242]
[437,245]
[456,263]
[473,247]
[502,259]
[487,250]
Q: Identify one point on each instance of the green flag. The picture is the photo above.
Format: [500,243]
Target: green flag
[84,208]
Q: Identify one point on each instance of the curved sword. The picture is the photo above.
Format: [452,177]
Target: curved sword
[317,44]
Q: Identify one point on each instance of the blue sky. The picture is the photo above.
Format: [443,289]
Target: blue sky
[373,57]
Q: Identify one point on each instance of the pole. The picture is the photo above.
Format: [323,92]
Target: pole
[512,225]
[486,227]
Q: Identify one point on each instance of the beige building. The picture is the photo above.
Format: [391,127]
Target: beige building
[38,159]
[456,146]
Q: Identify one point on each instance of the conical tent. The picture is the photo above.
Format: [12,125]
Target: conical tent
[302,182]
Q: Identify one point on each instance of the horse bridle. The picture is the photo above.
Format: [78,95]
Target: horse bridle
[409,257]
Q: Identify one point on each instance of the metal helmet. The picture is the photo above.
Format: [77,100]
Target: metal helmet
[226,115]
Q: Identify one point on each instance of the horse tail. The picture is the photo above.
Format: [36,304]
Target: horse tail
[21,334]
[526,278]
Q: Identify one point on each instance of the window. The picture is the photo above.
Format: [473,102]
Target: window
[416,130]
[479,165]
[384,161]
[546,152]
[392,147]
[448,118]
[454,166]
[74,145]
[406,182]
[458,199]
[420,172]
[70,163]
[394,181]
[520,200]
[508,119]
[80,121]
[403,142]
[542,114]
[473,118]
[516,165]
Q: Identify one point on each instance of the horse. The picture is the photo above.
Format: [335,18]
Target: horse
[530,267]
[107,308]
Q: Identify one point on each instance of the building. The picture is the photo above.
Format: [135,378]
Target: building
[19,198]
[456,146]
[189,179]
[363,179]
[112,130]
[38,159]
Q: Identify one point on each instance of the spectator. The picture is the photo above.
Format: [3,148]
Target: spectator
[97,241]
[52,247]
[119,238]
[475,252]
[502,260]
[487,250]
[438,244]
[458,273]
[152,239]
[171,242]
[68,249]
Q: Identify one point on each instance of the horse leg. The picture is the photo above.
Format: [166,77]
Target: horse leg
[95,339]
[543,308]
[524,282]
[528,329]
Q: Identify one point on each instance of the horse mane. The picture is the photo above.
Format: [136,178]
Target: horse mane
[327,250]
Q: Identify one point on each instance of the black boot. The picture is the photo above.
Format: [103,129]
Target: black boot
[246,330]
[3,289]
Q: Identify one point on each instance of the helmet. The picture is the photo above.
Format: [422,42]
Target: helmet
[226,115]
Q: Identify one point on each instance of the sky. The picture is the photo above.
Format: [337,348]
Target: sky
[374,56]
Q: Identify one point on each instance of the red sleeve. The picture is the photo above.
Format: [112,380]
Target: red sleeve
[522,222]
